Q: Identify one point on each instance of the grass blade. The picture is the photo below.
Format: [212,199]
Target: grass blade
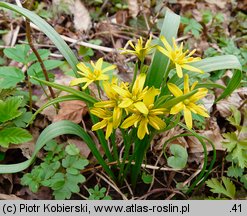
[52,131]
[84,96]
[218,63]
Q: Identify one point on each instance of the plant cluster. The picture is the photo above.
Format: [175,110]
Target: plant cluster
[59,171]
[161,96]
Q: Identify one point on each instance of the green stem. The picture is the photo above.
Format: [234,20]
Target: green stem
[98,88]
[135,74]
[115,150]
[127,144]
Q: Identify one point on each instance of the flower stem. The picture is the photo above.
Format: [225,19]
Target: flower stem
[30,42]
[135,74]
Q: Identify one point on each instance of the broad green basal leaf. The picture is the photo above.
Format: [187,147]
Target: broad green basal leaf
[10,76]
[179,158]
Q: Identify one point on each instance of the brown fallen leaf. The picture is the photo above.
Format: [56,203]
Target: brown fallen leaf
[71,110]
[82,20]
[9,197]
[133,7]
[213,134]
[167,135]
[235,99]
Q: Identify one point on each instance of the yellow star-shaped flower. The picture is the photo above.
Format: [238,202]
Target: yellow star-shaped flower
[141,118]
[178,57]
[89,75]
[139,50]
[189,105]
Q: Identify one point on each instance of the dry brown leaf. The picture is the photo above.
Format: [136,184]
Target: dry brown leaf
[236,98]
[9,197]
[221,4]
[82,20]
[72,111]
[133,7]
[212,134]
[169,134]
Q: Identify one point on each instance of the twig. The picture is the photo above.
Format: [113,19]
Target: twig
[29,38]
[112,184]
[93,46]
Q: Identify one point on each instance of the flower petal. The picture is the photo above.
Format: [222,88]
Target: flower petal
[116,117]
[179,70]
[109,129]
[111,67]
[143,128]
[98,64]
[150,95]
[174,90]
[156,122]
[131,120]
[139,84]
[188,117]
[166,44]
[141,107]
[186,84]
[126,102]
[100,125]
[177,108]
[191,68]
[78,81]
[105,104]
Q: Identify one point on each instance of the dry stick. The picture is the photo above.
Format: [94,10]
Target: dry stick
[242,105]
[29,38]
[157,190]
[112,184]
[187,181]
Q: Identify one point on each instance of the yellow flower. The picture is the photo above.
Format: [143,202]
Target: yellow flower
[133,98]
[178,57]
[89,75]
[107,121]
[111,103]
[143,118]
[140,51]
[188,105]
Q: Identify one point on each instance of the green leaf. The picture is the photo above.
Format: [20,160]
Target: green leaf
[10,76]
[229,189]
[9,108]
[235,171]
[18,53]
[82,95]
[237,148]
[243,179]
[170,103]
[218,63]
[71,149]
[23,119]
[146,178]
[179,158]
[207,16]
[14,135]
[36,70]
[193,26]
[48,30]
[232,85]
[44,54]
[160,62]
